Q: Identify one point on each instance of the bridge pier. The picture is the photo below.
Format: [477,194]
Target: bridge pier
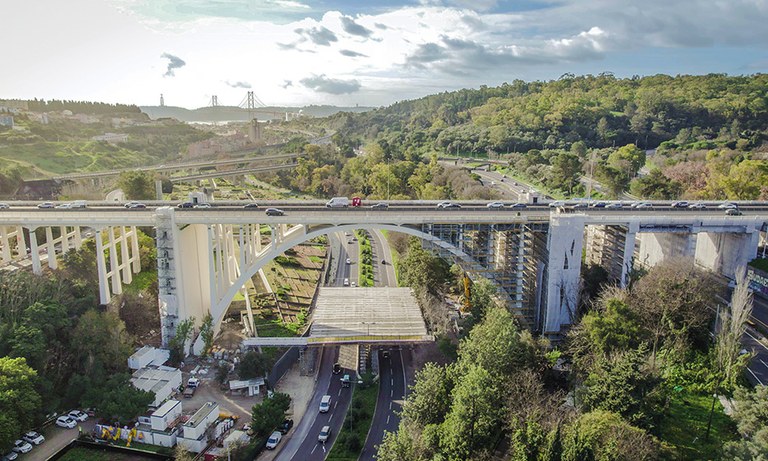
[565,242]
[725,253]
[656,247]
[612,247]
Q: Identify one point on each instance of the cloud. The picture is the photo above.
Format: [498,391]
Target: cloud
[381,26]
[174,62]
[323,84]
[290,4]
[286,84]
[319,35]
[351,27]
[353,54]
[238,84]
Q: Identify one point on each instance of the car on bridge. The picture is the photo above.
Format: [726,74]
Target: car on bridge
[4,206]
[597,205]
[495,205]
[46,205]
[642,205]
[556,204]
[727,205]
[136,205]
[203,205]
[697,206]
[614,206]
[518,206]
[446,205]
[380,206]
[680,204]
[275,212]
[251,206]
[186,205]
[733,212]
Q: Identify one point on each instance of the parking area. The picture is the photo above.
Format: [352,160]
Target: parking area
[56,438]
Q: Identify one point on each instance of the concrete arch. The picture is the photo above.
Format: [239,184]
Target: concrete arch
[270,253]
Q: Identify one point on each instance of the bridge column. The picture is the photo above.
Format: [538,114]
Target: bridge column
[136,258]
[257,237]
[51,248]
[34,253]
[565,242]
[21,244]
[211,260]
[78,237]
[124,258]
[64,239]
[725,253]
[5,244]
[660,246]
[630,238]
[114,263]
[101,267]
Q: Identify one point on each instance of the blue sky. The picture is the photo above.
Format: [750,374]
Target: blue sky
[371,53]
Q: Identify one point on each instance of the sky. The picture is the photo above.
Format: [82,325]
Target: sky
[358,52]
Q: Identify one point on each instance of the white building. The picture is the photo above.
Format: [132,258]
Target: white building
[163,381]
[193,436]
[253,385]
[147,356]
[162,418]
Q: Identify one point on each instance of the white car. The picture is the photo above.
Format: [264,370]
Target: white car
[727,206]
[614,206]
[203,205]
[21,446]
[78,415]
[4,206]
[274,439]
[67,422]
[495,205]
[556,204]
[642,205]
[33,438]
[325,404]
[697,206]
[349,261]
[10,456]
[346,282]
[325,432]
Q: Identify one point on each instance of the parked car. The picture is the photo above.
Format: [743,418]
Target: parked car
[67,422]
[64,206]
[21,446]
[325,432]
[325,404]
[78,415]
[10,456]
[495,205]
[248,429]
[46,205]
[286,426]
[380,206]
[733,212]
[193,382]
[275,212]
[33,437]
[273,440]
[251,206]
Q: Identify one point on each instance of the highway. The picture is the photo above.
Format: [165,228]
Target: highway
[757,372]
[303,444]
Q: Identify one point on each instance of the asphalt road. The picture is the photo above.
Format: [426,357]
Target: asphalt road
[757,372]
[392,388]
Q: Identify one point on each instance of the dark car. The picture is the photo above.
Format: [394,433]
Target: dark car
[380,206]
[385,353]
[286,426]
[275,212]
[733,212]
[679,204]
[251,206]
[451,205]
[518,206]
[336,368]
[137,205]
[186,205]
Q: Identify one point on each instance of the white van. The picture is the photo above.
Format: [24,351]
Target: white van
[78,204]
[325,404]
[337,202]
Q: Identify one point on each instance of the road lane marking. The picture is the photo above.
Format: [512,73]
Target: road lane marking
[339,394]
[313,449]
[392,381]
[391,392]
[329,419]
[387,420]
[761,361]
[753,374]
[390,404]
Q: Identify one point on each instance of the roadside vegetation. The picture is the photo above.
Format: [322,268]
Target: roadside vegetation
[357,421]
[365,258]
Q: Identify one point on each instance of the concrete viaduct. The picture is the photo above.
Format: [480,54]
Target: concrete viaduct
[206,256]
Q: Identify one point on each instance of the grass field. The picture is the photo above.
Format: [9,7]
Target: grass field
[93,454]
[684,428]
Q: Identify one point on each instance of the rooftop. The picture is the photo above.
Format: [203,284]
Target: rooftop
[201,414]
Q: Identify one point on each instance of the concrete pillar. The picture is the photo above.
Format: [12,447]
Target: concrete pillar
[135,258]
[520,268]
[64,239]
[51,248]
[124,258]
[658,247]
[101,266]
[21,245]
[114,263]
[5,244]
[78,237]
[725,253]
[220,258]
[257,237]
[34,253]
[211,267]
[565,242]
[243,249]
[629,253]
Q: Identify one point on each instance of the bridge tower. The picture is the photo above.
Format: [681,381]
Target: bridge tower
[162,100]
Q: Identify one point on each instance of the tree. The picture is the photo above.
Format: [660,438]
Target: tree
[177,345]
[252,365]
[475,415]
[734,317]
[429,399]
[482,295]
[604,436]
[118,400]
[656,186]
[19,400]
[269,413]
[137,185]
[566,172]
[622,383]
[206,332]
[101,342]
[628,159]
[751,416]
[615,328]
